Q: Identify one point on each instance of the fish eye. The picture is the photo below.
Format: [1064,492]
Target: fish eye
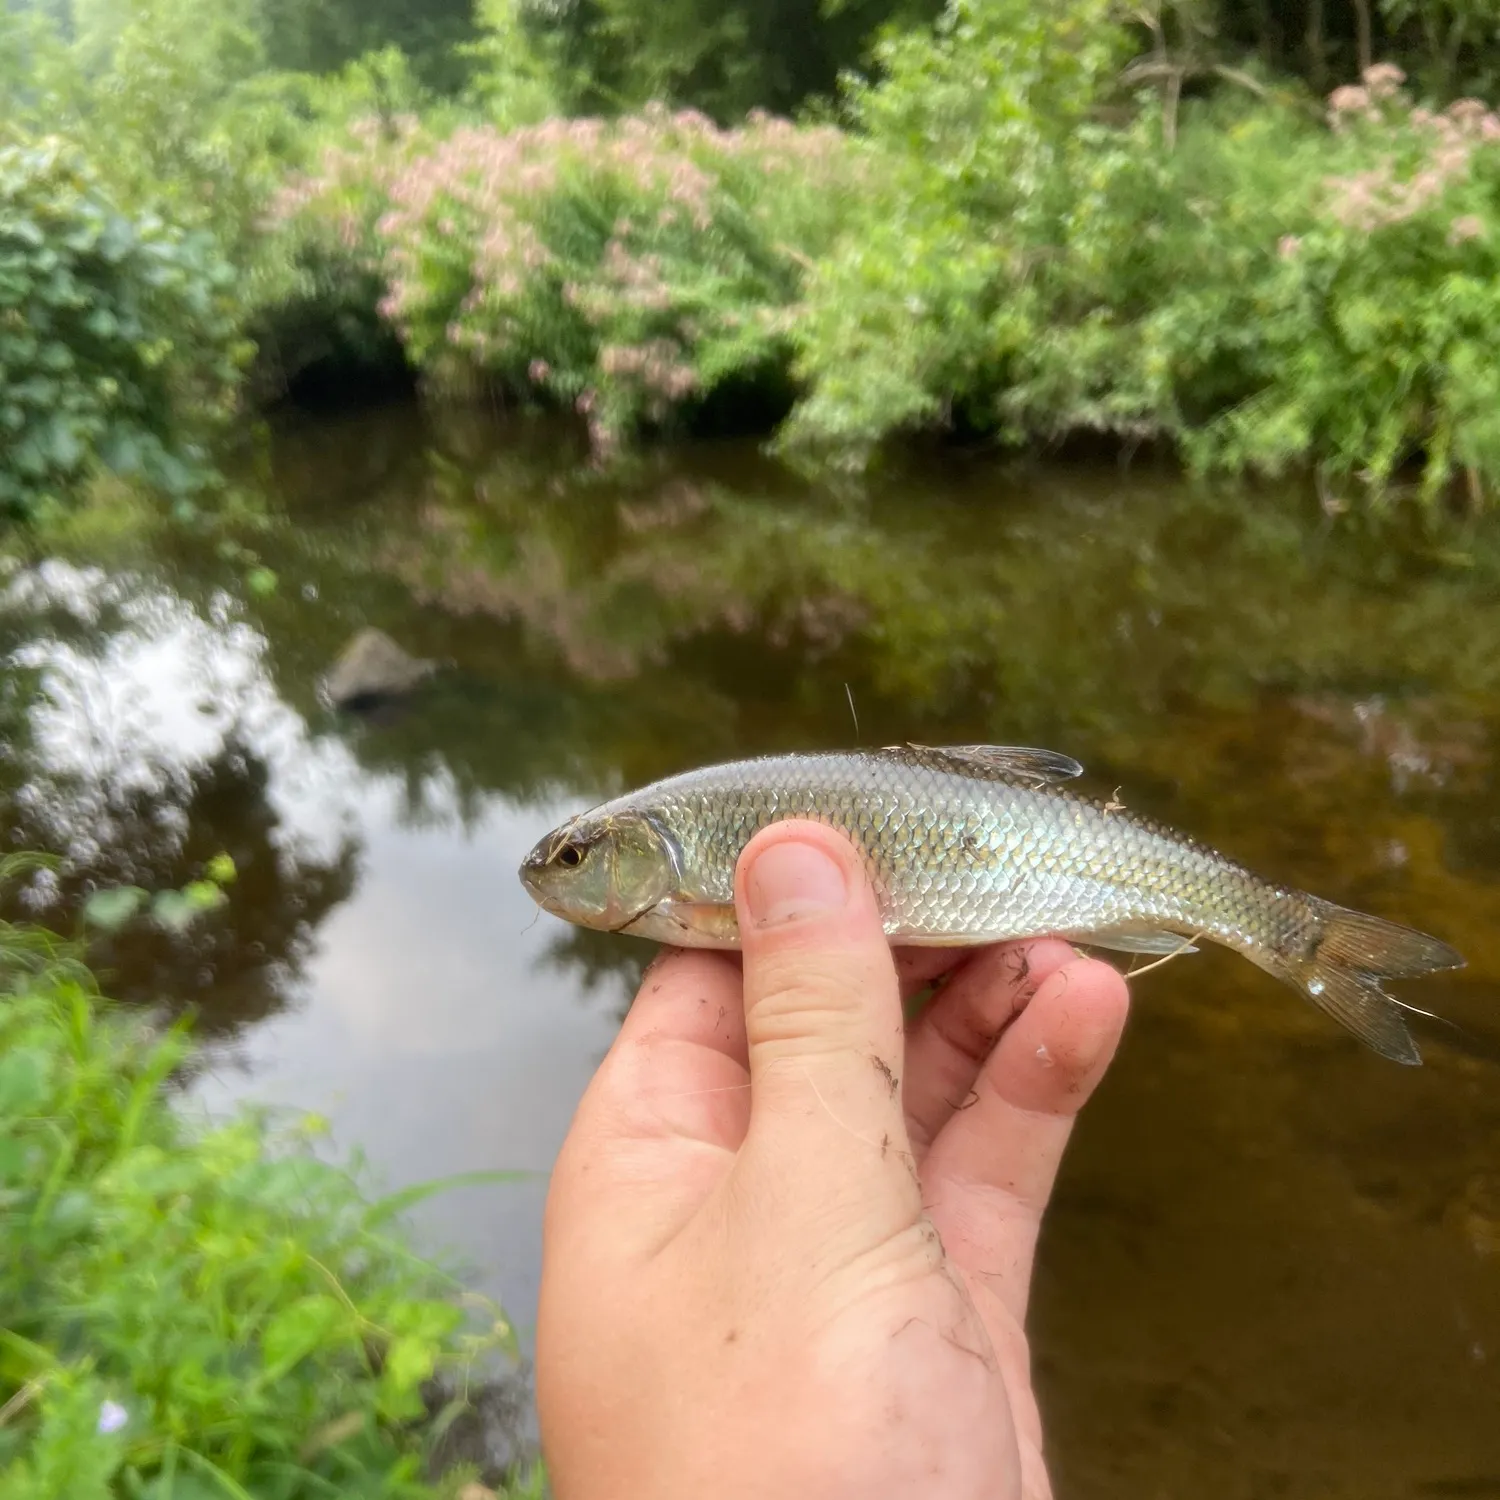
[570,855]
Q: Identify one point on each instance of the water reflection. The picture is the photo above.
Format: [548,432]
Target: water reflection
[142,739]
[1271,1269]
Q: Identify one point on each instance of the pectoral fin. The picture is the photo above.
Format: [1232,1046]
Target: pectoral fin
[690,924]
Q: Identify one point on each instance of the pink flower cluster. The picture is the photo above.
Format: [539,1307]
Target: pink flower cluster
[656,365]
[1381,82]
[1446,144]
[490,246]
[350,182]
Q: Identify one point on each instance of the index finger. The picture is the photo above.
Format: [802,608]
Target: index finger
[991,1168]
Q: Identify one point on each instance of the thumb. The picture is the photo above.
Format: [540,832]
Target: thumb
[823,1016]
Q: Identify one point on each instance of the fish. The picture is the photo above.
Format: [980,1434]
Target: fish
[968,845]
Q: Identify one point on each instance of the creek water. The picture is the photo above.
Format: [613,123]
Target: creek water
[1272,1267]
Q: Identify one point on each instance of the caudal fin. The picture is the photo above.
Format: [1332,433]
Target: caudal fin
[1354,954]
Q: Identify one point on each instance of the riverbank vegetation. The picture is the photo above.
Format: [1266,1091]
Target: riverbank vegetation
[1264,238]
[199,1312]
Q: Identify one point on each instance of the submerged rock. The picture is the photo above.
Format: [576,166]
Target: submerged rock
[372,670]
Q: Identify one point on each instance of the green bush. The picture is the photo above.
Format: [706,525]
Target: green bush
[168,99]
[117,337]
[316,276]
[630,269]
[1374,317]
[725,57]
[986,149]
[194,1312]
[1046,249]
[1044,219]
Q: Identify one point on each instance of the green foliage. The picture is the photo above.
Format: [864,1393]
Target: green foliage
[1044,254]
[1450,41]
[986,147]
[157,90]
[111,907]
[325,36]
[517,73]
[1044,219]
[193,1312]
[630,269]
[313,282]
[178,104]
[185,133]
[1373,320]
[117,337]
[722,56]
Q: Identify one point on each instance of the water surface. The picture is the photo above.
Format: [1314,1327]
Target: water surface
[1273,1264]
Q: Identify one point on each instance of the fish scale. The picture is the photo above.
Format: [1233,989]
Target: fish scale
[972,844]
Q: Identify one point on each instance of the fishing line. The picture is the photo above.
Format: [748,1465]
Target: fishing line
[728,1088]
[883,1146]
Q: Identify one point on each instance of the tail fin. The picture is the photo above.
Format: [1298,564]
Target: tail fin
[1343,974]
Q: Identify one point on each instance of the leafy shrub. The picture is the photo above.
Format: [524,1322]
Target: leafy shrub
[191,1312]
[1041,252]
[168,99]
[630,269]
[517,72]
[725,57]
[323,37]
[984,147]
[1376,322]
[117,336]
[315,282]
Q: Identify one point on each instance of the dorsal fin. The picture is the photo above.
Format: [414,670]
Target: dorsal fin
[990,762]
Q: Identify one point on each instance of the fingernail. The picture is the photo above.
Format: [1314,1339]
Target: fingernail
[791,880]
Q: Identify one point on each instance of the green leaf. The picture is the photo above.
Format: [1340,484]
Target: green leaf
[409,1362]
[22,1360]
[15,1157]
[298,1329]
[225,1484]
[151,1172]
[65,448]
[397,1203]
[178,910]
[203,895]
[181,1487]
[25,1080]
[112,907]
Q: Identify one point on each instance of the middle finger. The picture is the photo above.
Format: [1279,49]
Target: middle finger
[949,1042]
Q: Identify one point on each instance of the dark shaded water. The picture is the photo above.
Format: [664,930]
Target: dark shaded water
[1273,1267]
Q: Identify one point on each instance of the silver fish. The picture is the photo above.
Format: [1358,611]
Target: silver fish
[973,844]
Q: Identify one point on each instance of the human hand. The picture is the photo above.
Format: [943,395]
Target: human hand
[789,1238]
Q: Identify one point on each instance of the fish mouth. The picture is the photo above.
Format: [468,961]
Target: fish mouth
[551,905]
[530,874]
[534,873]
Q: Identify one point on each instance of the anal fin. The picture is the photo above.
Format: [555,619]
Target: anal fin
[1133,940]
